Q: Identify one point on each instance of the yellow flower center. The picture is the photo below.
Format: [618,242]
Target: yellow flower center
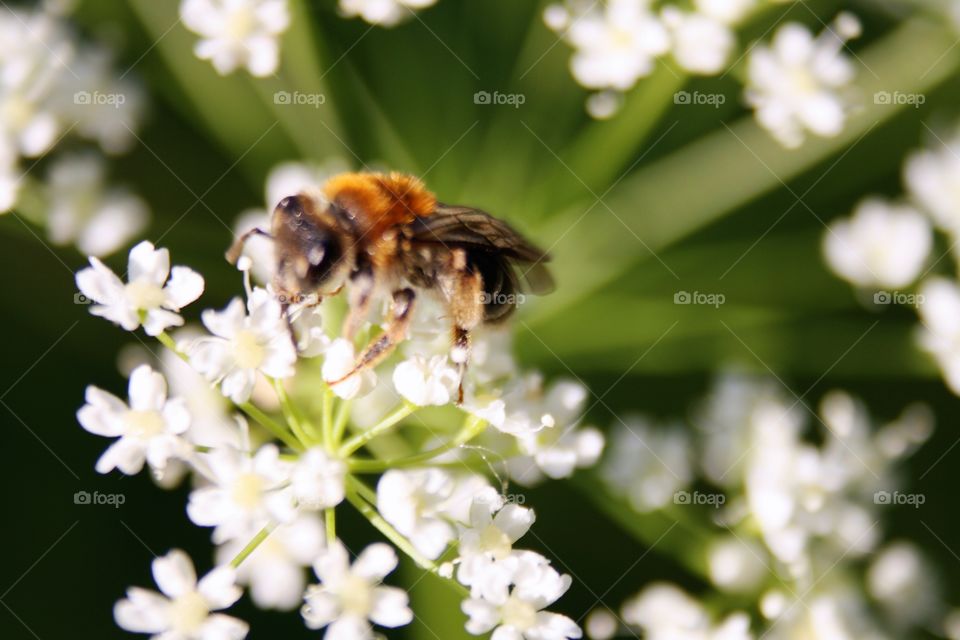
[247,490]
[188,612]
[241,23]
[145,294]
[247,350]
[495,541]
[143,424]
[356,596]
[517,613]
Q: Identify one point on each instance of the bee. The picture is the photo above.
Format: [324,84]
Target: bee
[376,233]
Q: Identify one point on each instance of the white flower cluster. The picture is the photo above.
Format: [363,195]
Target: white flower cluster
[271,459]
[884,249]
[795,84]
[53,86]
[385,13]
[792,521]
[237,33]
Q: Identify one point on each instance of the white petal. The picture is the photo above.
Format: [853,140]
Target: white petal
[174,573]
[147,389]
[142,611]
[184,287]
[389,608]
[219,587]
[148,263]
[375,562]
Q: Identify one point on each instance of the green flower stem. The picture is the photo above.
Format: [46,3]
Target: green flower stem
[473,427]
[330,518]
[341,419]
[382,427]
[271,425]
[168,342]
[354,490]
[251,546]
[290,414]
[329,437]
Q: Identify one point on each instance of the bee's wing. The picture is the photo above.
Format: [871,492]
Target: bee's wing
[477,230]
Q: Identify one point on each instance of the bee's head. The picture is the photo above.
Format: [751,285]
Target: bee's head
[313,251]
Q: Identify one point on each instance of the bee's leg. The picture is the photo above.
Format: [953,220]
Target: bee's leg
[233,253]
[362,285]
[466,309]
[401,312]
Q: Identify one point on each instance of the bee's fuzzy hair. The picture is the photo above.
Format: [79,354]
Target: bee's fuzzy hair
[396,197]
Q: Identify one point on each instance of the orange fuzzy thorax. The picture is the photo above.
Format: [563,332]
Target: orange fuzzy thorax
[381,200]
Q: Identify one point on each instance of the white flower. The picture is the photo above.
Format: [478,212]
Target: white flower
[245,492]
[526,407]
[149,429]
[615,43]
[147,292]
[517,613]
[488,540]
[933,179]
[940,330]
[183,611]
[383,12]
[797,82]
[646,464]
[700,43]
[882,244]
[665,612]
[426,381]
[83,211]
[726,11]
[237,33]
[902,580]
[736,564]
[414,502]
[317,480]
[275,569]
[243,345]
[339,360]
[348,596]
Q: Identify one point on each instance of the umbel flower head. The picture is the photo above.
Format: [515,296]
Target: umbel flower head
[269,483]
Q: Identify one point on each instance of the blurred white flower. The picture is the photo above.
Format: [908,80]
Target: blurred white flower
[665,612]
[616,42]
[932,177]
[350,596]
[237,33]
[797,83]
[274,570]
[244,493]
[184,610]
[700,43]
[83,210]
[425,381]
[902,580]
[317,480]
[385,13]
[149,429]
[736,564]
[646,464]
[148,292]
[244,344]
[939,333]
[882,244]
[415,502]
[516,612]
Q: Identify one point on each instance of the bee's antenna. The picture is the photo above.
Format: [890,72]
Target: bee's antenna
[233,254]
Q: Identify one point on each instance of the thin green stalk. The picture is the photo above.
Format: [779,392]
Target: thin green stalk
[328,431]
[168,342]
[330,518]
[380,428]
[251,546]
[341,419]
[290,414]
[473,427]
[271,425]
[354,489]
